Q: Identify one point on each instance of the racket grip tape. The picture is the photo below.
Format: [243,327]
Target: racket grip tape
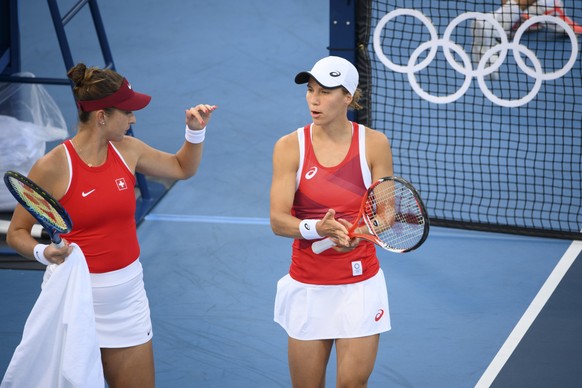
[322,245]
[60,243]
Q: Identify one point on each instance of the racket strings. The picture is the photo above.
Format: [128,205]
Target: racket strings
[39,205]
[394,215]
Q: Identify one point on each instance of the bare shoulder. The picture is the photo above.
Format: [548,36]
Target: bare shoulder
[374,134]
[378,154]
[286,152]
[129,144]
[55,159]
[287,146]
[290,140]
[51,171]
[376,139]
[131,148]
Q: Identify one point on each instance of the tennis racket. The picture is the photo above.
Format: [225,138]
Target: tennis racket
[48,211]
[394,215]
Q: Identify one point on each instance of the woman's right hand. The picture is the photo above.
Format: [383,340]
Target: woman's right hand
[335,230]
[198,116]
[56,255]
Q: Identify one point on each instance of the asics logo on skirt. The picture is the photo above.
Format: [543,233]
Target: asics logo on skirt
[379,315]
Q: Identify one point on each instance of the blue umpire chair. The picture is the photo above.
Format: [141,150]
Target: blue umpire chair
[149,192]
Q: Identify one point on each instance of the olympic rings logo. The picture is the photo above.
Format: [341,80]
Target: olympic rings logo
[466,68]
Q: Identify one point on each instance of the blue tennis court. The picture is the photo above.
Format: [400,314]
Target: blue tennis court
[468,308]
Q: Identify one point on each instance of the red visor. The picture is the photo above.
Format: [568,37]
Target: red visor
[124,99]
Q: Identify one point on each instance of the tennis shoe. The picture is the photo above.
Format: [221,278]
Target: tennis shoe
[551,8]
[523,18]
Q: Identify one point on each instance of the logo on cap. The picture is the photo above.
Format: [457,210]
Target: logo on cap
[335,73]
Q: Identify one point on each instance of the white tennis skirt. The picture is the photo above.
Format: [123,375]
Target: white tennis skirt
[310,312]
[122,312]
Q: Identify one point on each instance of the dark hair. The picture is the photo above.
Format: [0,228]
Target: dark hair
[93,83]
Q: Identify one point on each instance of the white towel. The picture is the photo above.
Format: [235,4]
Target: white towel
[59,346]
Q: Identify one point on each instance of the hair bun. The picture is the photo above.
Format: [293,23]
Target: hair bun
[77,74]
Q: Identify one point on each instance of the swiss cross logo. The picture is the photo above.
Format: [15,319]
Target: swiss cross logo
[121,185]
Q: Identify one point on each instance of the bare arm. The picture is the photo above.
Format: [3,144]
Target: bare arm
[378,154]
[181,165]
[49,172]
[379,158]
[285,165]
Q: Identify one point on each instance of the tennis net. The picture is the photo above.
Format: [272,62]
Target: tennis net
[493,141]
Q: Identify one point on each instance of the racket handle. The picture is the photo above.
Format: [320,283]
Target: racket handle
[60,243]
[322,245]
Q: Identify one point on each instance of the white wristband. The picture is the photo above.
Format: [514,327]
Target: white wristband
[195,137]
[308,230]
[39,254]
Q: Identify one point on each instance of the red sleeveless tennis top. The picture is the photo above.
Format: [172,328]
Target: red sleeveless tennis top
[101,203]
[340,188]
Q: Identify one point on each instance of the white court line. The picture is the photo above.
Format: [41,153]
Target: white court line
[514,338]
[207,219]
[440,231]
[530,315]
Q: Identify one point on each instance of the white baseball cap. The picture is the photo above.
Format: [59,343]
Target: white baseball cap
[332,72]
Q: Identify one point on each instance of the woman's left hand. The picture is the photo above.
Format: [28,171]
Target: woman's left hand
[353,242]
[198,116]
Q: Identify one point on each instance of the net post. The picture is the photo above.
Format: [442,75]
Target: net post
[342,33]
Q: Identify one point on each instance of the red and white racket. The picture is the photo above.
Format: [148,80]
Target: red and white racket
[394,215]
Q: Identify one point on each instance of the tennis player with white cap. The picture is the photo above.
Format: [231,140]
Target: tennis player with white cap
[332,72]
[320,173]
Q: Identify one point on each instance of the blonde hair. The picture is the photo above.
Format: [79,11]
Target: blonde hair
[355,104]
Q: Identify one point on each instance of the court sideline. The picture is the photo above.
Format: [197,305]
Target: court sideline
[210,259]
